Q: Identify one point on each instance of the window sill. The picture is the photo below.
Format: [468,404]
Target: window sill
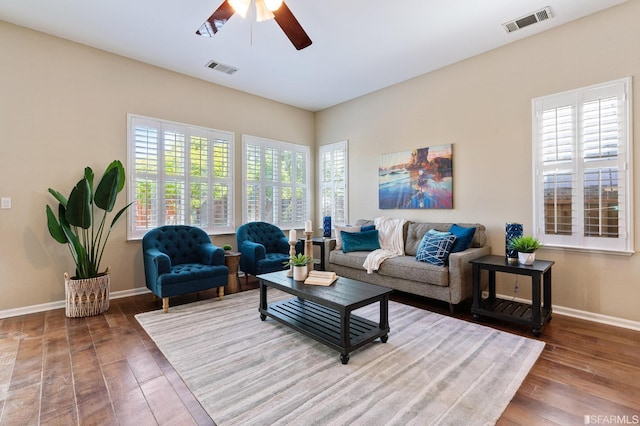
[588,250]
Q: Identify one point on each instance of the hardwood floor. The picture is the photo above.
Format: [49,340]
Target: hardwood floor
[105,370]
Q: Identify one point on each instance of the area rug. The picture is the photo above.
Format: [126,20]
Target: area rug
[434,369]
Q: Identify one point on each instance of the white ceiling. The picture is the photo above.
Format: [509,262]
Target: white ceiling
[359,46]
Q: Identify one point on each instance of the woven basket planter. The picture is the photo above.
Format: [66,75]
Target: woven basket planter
[86,297]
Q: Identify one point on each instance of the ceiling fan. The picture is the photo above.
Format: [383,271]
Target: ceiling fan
[264,9]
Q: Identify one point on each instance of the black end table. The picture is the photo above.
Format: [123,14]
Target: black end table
[532,314]
[316,241]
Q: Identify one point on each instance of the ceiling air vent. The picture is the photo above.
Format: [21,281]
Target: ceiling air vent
[227,69]
[525,21]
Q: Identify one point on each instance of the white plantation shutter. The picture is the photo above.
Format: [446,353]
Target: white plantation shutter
[199,179]
[275,182]
[583,168]
[144,180]
[175,175]
[222,181]
[333,166]
[302,195]
[252,207]
[182,175]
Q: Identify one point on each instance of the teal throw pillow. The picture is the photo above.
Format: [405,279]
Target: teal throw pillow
[464,236]
[435,247]
[360,241]
[367,228]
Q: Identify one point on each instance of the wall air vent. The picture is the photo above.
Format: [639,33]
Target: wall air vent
[525,21]
[227,69]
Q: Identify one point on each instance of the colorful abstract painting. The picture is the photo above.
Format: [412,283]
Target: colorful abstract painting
[417,179]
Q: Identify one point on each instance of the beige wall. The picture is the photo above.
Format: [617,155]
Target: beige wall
[483,107]
[63,106]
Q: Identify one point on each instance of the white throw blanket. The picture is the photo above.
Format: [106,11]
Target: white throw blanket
[391,242]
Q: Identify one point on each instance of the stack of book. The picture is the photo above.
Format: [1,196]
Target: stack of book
[321,278]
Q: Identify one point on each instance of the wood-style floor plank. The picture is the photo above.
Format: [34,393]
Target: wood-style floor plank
[105,370]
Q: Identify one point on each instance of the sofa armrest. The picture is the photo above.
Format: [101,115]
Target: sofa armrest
[251,253]
[329,244]
[211,254]
[156,263]
[461,272]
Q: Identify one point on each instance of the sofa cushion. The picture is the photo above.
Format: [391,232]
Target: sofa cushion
[464,236]
[354,259]
[360,241]
[416,231]
[403,267]
[184,273]
[408,268]
[345,229]
[435,247]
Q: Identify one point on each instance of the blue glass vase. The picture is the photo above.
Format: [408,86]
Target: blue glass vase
[512,230]
[326,226]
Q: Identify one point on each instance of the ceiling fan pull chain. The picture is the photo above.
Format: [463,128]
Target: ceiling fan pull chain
[252,11]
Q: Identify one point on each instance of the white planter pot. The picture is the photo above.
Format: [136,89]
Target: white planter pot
[300,273]
[87,297]
[526,258]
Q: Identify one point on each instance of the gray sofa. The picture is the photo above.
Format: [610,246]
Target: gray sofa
[452,283]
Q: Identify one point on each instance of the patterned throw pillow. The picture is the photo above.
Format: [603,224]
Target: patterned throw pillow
[435,247]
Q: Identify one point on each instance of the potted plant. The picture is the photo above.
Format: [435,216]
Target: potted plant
[526,246]
[227,247]
[299,263]
[81,224]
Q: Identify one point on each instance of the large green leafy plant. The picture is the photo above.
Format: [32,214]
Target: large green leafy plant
[81,220]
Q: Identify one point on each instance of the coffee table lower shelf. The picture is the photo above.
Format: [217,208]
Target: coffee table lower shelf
[325,325]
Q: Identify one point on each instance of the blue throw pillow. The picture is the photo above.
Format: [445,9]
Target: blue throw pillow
[367,228]
[463,237]
[435,247]
[360,241]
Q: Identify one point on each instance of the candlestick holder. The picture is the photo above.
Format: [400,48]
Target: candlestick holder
[292,253]
[308,248]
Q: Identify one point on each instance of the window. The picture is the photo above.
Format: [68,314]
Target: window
[180,175]
[275,182]
[333,166]
[583,168]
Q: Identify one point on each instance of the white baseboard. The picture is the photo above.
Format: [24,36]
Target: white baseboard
[584,315]
[61,304]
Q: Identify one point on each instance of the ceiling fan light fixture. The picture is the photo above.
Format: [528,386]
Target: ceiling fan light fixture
[240,6]
[262,11]
[273,4]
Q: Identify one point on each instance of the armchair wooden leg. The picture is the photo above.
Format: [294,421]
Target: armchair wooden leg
[220,292]
[165,304]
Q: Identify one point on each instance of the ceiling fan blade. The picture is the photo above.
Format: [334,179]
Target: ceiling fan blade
[216,20]
[291,27]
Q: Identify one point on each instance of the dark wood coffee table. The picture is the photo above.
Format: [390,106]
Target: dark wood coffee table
[324,313]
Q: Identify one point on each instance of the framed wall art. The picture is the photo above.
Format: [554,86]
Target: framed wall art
[416,179]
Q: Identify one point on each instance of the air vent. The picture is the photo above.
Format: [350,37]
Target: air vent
[227,69]
[525,21]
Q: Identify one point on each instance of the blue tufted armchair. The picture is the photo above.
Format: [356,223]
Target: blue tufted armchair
[181,259]
[263,246]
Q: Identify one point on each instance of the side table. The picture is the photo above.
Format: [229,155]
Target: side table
[532,314]
[232,261]
[316,241]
